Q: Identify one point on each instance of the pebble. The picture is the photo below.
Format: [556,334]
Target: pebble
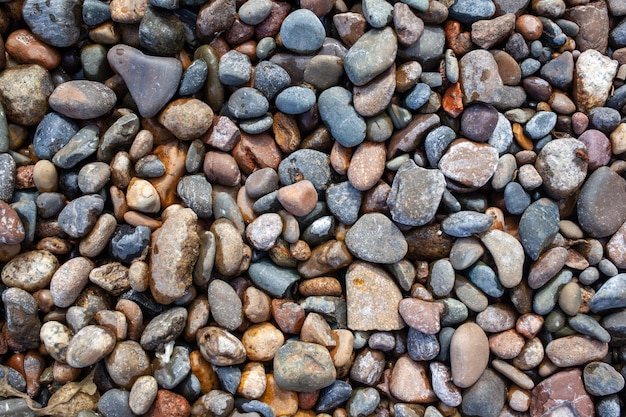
[142,394]
[126,363]
[602,379]
[301,366]
[344,201]
[89,345]
[466,223]
[466,367]
[594,73]
[486,397]
[54,23]
[337,112]
[575,350]
[606,186]
[302,32]
[358,63]
[295,100]
[12,231]
[82,99]
[561,168]
[247,103]
[360,240]
[459,163]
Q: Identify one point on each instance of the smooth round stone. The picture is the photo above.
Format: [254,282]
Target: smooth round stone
[163,329]
[161,32]
[486,397]
[30,271]
[422,346]
[13,228]
[540,124]
[303,367]
[587,325]
[264,230]
[363,402]
[261,182]
[80,146]
[270,78]
[469,354]
[52,134]
[142,394]
[127,362]
[53,22]
[95,12]
[82,99]
[333,396]
[307,164]
[226,306]
[417,97]
[598,148]
[79,216]
[597,203]
[467,11]
[253,12]
[538,226]
[234,68]
[150,166]
[337,112]
[55,337]
[93,177]
[219,347]
[575,350]
[465,252]
[295,100]
[604,119]
[89,345]
[257,125]
[436,143]
[471,164]
[265,48]
[272,278]
[247,103]
[479,121]
[129,243]
[320,231]
[372,54]
[45,176]
[114,403]
[323,71]
[302,32]
[187,118]
[195,191]
[466,223]
[69,280]
[515,198]
[142,196]
[485,278]
[561,167]
[194,78]
[374,238]
[299,198]
[602,379]
[377,13]
[344,202]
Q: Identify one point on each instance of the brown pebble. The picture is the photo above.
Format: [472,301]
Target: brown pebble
[367,165]
[299,198]
[322,286]
[24,47]
[529,26]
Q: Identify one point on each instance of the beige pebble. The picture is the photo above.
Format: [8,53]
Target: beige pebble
[262,341]
[253,381]
[316,329]
[507,344]
[138,275]
[469,354]
[99,236]
[45,176]
[142,196]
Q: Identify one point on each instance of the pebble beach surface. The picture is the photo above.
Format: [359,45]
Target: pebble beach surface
[257,208]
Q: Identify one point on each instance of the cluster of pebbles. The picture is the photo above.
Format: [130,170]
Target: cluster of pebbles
[258,208]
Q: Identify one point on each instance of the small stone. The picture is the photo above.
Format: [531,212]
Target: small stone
[508,254]
[594,74]
[302,32]
[421,346]
[187,118]
[359,239]
[295,100]
[444,388]
[30,271]
[55,23]
[423,316]
[459,163]
[409,382]
[24,92]
[196,193]
[82,99]
[373,53]
[469,354]
[345,124]
[487,33]
[276,280]
[486,397]
[467,11]
[226,307]
[344,202]
[466,223]
[299,198]
[247,103]
[575,350]
[216,17]
[169,404]
[602,379]
[55,337]
[600,192]
[234,68]
[79,216]
[89,345]
[363,402]
[126,363]
[561,166]
[303,367]
[12,231]
[538,227]
[142,394]
[562,392]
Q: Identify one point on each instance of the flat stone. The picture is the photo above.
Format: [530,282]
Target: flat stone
[163,329]
[469,163]
[336,110]
[364,237]
[561,394]
[302,32]
[610,295]
[367,311]
[226,307]
[602,379]
[575,350]
[421,315]
[597,206]
[467,11]
[486,397]
[303,367]
[409,382]
[372,54]
[538,226]
[82,99]
[508,254]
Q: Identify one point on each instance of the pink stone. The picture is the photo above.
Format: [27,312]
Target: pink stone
[564,389]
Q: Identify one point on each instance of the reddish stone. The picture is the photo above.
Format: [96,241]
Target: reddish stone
[452,101]
[459,42]
[288,315]
[564,389]
[271,25]
[169,404]
[307,400]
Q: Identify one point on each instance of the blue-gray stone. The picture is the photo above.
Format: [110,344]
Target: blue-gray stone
[418,5]
[50,204]
[190,388]
[8,169]
[428,50]
[253,12]
[229,376]
[417,97]
[538,226]
[344,202]
[442,277]
[568,27]
[129,243]
[608,406]
[599,205]
[270,78]
[53,21]
[320,231]
[604,119]
[273,279]
[257,407]
[456,312]
[268,203]
[247,103]
[363,402]
[149,166]
[618,35]
[466,223]
[336,110]
[114,403]
[436,143]
[608,268]
[502,136]
[587,325]
[302,32]
[529,66]
[485,278]
[265,48]
[516,199]
[602,379]
[307,164]
[171,372]
[234,68]
[17,407]
[540,124]
[295,100]
[517,47]
[547,297]
[470,11]
[371,54]
[13,378]
[81,145]
[119,136]
[611,295]
[4,131]
[378,13]
[194,77]
[79,216]
[559,71]
[422,346]
[333,396]
[161,32]
[374,238]
[552,34]
[166,4]
[52,134]
[257,125]
[27,212]
[195,191]
[445,338]
[486,397]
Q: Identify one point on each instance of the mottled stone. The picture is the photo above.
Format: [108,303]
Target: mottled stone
[303,367]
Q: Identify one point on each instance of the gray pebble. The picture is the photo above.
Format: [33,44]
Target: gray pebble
[276,280]
[485,278]
[307,164]
[8,168]
[257,125]
[270,79]
[194,78]
[79,216]
[441,278]
[295,100]
[196,193]
[421,346]
[417,97]
[516,199]
[602,379]
[114,403]
[466,223]
[374,238]
[234,68]
[302,32]
[336,110]
[80,146]
[52,134]
[253,12]
[344,202]
[540,124]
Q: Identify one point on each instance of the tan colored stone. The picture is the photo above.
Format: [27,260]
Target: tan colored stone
[469,354]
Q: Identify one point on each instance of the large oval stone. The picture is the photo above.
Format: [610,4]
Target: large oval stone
[372,54]
[469,354]
[303,367]
[82,99]
[89,345]
[600,205]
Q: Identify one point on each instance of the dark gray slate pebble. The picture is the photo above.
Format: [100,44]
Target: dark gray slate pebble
[80,146]
[256,407]
[307,164]
[270,78]
[612,294]
[53,133]
[436,143]
[247,103]
[128,243]
[119,136]
[14,378]
[333,396]
[53,21]
[22,323]
[602,379]
[320,231]
[169,373]
[337,112]
[478,122]
[559,71]
[161,32]
[8,169]
[538,226]
[150,166]
[268,203]
[27,212]
[193,78]
[273,279]
[164,328]
[261,182]
[417,97]
[80,215]
[374,238]
[196,191]
[344,202]
[234,68]
[295,100]
[486,397]
[195,156]
[257,125]
[229,376]
[422,346]
[466,223]
[302,32]
[50,204]
[95,12]
[529,66]
[485,278]
[114,403]
[604,119]
[600,203]
[540,124]
[469,11]
[516,199]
